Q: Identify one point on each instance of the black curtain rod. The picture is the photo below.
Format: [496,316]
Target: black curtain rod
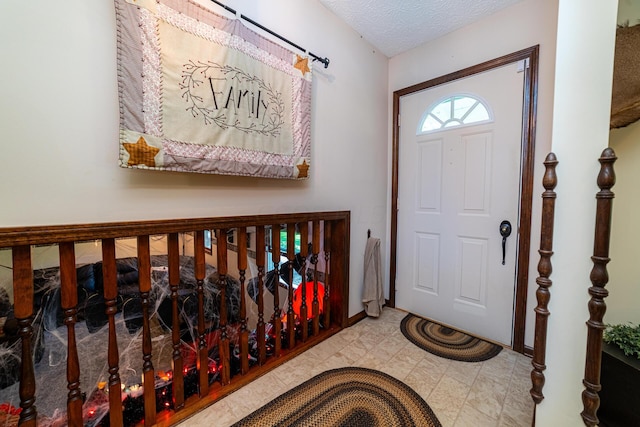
[325,61]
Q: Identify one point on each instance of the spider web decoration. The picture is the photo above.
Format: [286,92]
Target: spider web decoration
[91,329]
[202,93]
[50,337]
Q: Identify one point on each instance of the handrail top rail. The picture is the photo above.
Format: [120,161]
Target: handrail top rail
[41,234]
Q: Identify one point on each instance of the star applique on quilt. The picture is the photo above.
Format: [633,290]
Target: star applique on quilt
[302,64]
[303,169]
[141,153]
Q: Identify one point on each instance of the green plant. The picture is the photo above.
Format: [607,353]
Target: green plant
[625,336]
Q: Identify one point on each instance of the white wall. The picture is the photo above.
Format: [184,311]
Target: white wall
[582,106]
[628,12]
[624,268]
[527,23]
[59,127]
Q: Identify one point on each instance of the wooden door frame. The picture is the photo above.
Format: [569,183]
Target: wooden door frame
[527,158]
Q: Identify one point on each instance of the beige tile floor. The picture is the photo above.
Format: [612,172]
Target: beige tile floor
[490,393]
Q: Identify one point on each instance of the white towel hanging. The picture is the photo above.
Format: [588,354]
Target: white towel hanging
[373,294]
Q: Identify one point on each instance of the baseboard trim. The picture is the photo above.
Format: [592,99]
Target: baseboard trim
[355,319]
[528,351]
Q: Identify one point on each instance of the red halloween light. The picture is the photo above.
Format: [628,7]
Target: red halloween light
[297,298]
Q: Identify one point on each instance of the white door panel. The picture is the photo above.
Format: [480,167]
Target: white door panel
[454,188]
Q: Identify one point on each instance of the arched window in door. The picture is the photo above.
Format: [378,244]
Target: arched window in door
[456,110]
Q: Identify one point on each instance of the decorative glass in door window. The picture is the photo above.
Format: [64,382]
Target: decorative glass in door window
[456,110]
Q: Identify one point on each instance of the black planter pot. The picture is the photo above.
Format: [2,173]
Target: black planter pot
[620,394]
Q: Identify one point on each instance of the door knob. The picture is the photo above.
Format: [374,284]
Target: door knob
[505,231]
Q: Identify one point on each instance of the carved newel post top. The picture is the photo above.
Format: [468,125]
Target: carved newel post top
[607,176]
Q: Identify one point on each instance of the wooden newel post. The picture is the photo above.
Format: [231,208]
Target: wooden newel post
[599,278]
[543,295]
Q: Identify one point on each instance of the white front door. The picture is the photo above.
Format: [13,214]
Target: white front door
[455,187]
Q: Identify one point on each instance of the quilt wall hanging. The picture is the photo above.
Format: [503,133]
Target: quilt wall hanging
[202,93]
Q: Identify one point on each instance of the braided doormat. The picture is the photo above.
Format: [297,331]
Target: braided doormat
[446,342]
[347,397]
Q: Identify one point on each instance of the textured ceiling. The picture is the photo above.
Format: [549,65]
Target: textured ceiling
[394,26]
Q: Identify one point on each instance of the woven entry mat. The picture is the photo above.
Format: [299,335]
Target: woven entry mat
[347,397]
[446,342]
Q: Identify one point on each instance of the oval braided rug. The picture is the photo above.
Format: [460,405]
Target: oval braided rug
[347,397]
[446,342]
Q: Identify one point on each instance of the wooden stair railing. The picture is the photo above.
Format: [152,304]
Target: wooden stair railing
[322,323]
[549,181]
[599,278]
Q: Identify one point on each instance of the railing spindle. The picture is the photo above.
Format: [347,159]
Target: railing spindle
[260,260]
[326,305]
[543,295]
[275,257]
[304,251]
[242,269]
[223,344]
[291,256]
[109,272]
[315,305]
[203,350]
[23,311]
[173,255]
[148,376]
[599,278]
[69,303]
